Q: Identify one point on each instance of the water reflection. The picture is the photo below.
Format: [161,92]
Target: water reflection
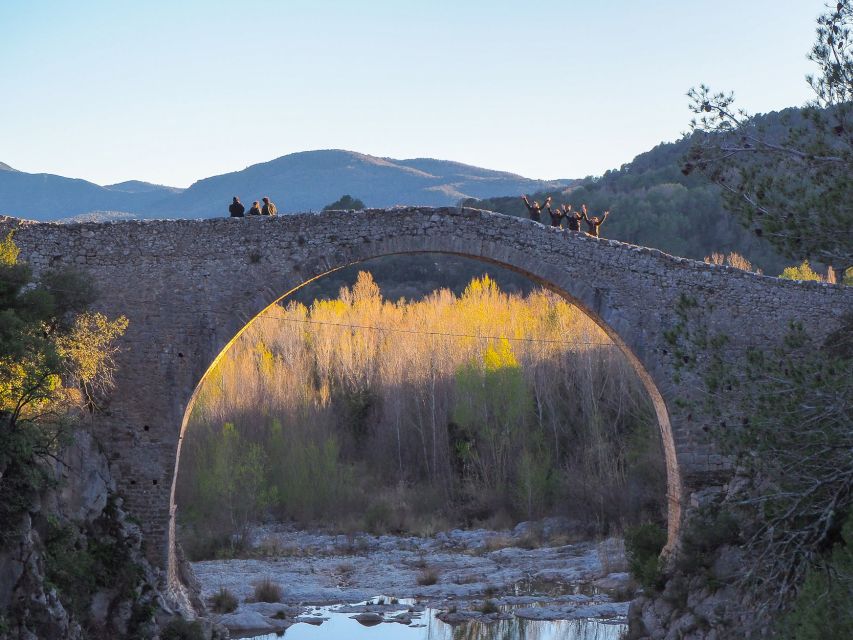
[340,626]
[517,629]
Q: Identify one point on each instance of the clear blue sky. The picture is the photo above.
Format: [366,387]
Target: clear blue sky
[173,91]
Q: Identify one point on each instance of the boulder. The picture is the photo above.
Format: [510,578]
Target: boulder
[245,621]
[368,618]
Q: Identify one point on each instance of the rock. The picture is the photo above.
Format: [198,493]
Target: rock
[454,618]
[539,613]
[11,569]
[614,582]
[368,618]
[245,621]
[603,610]
[121,617]
[99,610]
[727,564]
[85,479]
[272,609]
[402,618]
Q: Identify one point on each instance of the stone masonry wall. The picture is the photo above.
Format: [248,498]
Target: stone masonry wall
[189,286]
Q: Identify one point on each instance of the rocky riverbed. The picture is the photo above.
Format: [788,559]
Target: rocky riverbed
[534,572]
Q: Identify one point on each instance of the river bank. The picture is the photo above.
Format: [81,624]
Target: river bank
[535,572]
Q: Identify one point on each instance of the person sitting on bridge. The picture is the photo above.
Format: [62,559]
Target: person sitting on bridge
[236,209]
[269,208]
[535,209]
[593,223]
[256,209]
[556,216]
[573,218]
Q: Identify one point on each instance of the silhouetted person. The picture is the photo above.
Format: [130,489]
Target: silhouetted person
[236,209]
[269,208]
[593,223]
[556,216]
[573,218]
[535,209]
[256,209]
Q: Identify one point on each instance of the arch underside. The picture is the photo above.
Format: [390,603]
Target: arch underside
[674,480]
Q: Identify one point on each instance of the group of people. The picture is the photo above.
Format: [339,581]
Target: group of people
[573,218]
[237,210]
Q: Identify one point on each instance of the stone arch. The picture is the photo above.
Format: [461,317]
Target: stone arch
[189,286]
[531,271]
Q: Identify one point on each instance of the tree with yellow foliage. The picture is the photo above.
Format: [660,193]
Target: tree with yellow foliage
[54,357]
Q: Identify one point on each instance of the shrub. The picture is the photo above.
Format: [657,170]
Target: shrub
[706,532]
[643,545]
[611,555]
[180,629]
[427,577]
[824,606]
[487,607]
[377,518]
[224,601]
[802,271]
[267,591]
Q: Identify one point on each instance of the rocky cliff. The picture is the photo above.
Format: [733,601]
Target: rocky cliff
[73,566]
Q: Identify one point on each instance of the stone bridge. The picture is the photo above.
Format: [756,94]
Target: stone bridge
[189,287]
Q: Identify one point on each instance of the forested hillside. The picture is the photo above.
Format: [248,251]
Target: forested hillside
[654,204]
[427,420]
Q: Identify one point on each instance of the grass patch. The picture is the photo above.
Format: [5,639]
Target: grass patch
[496,543]
[223,601]
[267,591]
[427,577]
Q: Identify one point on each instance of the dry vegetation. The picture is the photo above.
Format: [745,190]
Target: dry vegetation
[361,412]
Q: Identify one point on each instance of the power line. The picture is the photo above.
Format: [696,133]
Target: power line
[413,332]
[434,333]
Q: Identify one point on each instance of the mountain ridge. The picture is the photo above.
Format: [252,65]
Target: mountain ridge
[301,181]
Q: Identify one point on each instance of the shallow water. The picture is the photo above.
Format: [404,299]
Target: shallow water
[341,626]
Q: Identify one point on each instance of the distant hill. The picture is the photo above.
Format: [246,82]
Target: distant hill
[42,196]
[138,186]
[297,182]
[312,179]
[5,167]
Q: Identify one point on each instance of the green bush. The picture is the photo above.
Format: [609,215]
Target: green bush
[643,546]
[377,517]
[180,629]
[824,605]
[80,563]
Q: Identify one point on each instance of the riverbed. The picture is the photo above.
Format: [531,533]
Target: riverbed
[530,582]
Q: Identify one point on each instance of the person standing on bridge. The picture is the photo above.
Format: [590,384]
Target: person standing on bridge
[573,218]
[256,209]
[236,209]
[556,216]
[535,209]
[593,223]
[269,208]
